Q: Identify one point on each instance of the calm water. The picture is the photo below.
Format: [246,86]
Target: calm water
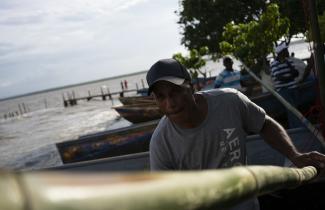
[28,141]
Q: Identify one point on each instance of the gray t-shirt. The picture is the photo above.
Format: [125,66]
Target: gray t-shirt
[218,142]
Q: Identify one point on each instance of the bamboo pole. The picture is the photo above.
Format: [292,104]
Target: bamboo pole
[219,189]
[304,120]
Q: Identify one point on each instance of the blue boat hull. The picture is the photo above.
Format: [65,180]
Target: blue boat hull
[258,153]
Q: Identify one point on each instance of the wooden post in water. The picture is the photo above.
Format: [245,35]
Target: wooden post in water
[142,82]
[89,96]
[74,98]
[109,93]
[24,107]
[65,102]
[103,95]
[20,109]
[110,96]
[69,99]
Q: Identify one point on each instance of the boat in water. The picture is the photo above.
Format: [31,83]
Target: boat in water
[138,113]
[139,109]
[127,149]
[122,141]
[131,100]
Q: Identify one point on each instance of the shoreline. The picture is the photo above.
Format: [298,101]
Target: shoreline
[69,86]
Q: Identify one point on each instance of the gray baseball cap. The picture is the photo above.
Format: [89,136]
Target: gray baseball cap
[169,70]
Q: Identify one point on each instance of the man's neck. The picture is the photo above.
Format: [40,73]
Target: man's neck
[195,114]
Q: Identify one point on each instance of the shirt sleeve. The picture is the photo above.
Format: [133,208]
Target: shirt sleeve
[219,81]
[157,152]
[253,116]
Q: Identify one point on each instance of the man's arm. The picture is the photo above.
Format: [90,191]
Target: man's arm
[276,136]
[218,81]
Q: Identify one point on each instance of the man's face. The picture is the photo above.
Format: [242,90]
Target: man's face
[228,64]
[172,99]
[283,55]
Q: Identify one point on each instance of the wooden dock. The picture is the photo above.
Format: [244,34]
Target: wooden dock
[71,99]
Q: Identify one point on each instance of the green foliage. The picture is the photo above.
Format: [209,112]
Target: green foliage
[194,61]
[202,21]
[253,41]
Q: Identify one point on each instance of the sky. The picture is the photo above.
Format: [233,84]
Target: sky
[52,43]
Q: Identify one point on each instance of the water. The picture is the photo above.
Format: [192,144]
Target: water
[27,141]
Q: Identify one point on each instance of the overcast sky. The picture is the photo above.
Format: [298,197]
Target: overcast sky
[50,43]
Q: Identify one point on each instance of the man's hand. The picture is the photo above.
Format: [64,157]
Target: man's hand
[314,158]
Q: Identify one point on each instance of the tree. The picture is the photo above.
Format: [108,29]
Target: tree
[194,61]
[253,41]
[202,22]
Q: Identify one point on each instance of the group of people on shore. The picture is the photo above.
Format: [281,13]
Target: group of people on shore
[207,129]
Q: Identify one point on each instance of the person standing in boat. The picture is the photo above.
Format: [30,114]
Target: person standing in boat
[207,130]
[228,78]
[285,77]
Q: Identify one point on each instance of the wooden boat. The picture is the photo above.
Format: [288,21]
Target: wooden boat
[138,113]
[92,148]
[122,141]
[275,109]
[131,100]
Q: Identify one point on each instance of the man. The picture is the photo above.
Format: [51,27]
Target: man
[207,130]
[285,78]
[228,77]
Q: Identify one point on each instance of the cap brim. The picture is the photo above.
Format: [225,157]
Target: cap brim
[174,80]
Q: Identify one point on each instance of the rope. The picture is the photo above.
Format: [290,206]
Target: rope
[304,121]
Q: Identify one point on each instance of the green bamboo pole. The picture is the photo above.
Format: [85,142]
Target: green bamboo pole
[12,197]
[304,120]
[155,191]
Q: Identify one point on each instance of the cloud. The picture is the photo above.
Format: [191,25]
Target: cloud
[46,44]
[22,20]
[9,48]
[4,84]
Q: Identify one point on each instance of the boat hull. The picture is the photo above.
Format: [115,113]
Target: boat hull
[131,100]
[132,139]
[139,113]
[258,153]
